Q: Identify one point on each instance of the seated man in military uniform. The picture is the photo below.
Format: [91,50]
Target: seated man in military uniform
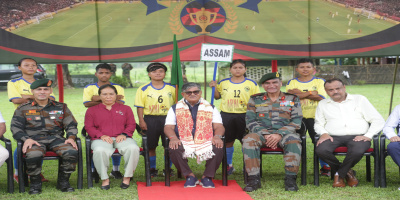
[272,119]
[40,124]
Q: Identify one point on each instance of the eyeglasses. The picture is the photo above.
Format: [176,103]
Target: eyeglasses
[196,92]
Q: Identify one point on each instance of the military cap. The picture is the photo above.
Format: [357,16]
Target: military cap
[155,66]
[41,83]
[269,76]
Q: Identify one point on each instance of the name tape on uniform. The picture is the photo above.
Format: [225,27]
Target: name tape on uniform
[216,52]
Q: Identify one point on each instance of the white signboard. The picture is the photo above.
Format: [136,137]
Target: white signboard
[216,52]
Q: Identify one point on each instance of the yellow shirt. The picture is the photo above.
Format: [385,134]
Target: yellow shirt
[235,96]
[155,101]
[308,106]
[18,87]
[93,89]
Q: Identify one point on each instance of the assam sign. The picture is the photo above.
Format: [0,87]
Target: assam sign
[216,53]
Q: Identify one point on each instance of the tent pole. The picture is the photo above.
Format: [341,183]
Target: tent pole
[205,80]
[60,83]
[393,84]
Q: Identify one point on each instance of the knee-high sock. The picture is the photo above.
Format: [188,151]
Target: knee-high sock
[229,154]
[153,161]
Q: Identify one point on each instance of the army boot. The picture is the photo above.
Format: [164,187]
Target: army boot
[63,182]
[36,184]
[290,183]
[253,183]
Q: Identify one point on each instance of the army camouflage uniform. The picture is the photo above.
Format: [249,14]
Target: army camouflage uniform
[46,126]
[264,117]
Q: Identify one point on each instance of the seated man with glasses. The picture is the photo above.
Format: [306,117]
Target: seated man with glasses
[195,128]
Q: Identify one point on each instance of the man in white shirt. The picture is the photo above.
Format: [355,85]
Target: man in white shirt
[392,123]
[194,128]
[345,120]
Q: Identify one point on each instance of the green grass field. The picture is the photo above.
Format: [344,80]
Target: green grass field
[77,26]
[273,173]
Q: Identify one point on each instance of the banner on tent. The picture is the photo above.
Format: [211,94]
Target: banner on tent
[68,31]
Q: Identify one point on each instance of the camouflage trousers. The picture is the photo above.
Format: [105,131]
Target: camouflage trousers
[34,155]
[252,143]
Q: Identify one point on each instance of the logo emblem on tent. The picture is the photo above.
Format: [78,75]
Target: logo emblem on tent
[203,17]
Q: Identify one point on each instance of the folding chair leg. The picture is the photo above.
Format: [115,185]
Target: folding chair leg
[89,170]
[20,170]
[10,180]
[368,168]
[382,170]
[303,164]
[316,171]
[376,170]
[224,167]
[245,174]
[80,166]
[166,167]
[261,168]
[146,162]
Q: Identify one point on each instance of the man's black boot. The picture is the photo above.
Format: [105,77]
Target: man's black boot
[36,184]
[253,183]
[290,183]
[63,182]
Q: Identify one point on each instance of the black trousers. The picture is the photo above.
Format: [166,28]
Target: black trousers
[181,164]
[355,152]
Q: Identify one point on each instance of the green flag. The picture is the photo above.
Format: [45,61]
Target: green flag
[176,72]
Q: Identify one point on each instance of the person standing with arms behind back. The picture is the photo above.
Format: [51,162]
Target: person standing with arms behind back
[235,93]
[19,92]
[310,90]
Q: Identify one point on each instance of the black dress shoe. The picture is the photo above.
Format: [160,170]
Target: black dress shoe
[124,186]
[106,187]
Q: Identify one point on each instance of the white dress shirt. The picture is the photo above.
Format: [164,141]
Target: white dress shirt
[392,122]
[349,117]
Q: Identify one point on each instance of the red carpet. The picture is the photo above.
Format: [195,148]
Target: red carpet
[176,191]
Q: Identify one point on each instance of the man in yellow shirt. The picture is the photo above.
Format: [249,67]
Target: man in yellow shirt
[91,98]
[310,90]
[153,101]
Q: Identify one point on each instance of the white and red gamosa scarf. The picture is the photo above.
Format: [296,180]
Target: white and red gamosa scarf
[201,145]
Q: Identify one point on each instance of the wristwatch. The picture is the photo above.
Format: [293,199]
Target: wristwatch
[220,136]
